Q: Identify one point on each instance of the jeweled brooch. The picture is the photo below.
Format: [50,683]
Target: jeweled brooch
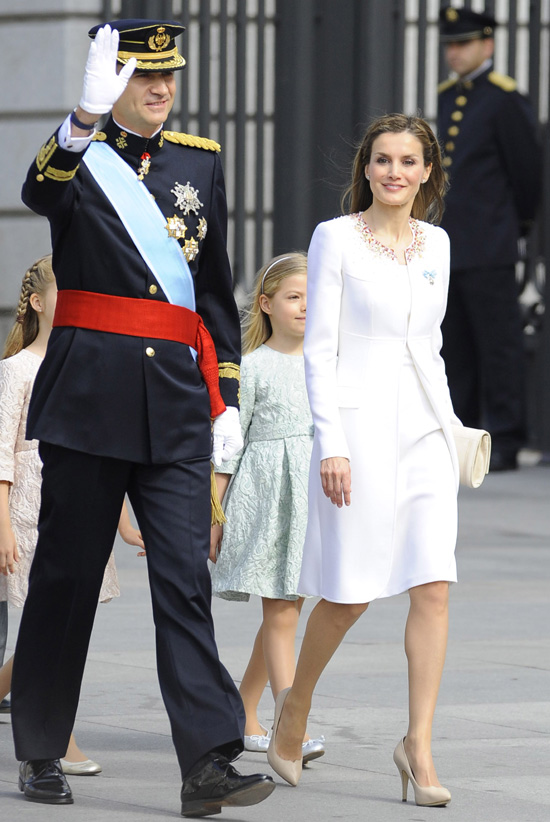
[186,198]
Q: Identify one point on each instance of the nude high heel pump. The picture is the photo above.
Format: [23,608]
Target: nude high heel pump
[289,769]
[431,796]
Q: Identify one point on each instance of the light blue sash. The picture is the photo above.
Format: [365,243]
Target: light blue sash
[144,222]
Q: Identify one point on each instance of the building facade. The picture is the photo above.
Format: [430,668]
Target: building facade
[287,87]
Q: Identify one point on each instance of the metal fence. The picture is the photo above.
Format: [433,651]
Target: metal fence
[287,86]
[341,63]
[227,94]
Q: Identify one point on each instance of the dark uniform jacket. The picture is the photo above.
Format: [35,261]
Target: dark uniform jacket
[132,398]
[488,133]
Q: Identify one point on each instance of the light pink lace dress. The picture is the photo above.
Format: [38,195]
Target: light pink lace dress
[20,465]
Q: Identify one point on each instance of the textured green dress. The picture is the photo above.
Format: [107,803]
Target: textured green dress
[266,503]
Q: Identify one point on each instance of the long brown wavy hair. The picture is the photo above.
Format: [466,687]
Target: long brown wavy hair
[37,280]
[428,204]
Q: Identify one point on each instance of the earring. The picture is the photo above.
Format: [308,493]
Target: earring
[367,176]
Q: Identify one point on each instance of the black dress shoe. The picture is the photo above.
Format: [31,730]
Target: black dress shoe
[217,784]
[503,461]
[42,780]
[5,706]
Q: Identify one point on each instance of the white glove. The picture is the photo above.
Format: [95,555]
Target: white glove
[227,436]
[102,85]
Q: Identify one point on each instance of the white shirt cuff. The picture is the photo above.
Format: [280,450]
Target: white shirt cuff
[69,143]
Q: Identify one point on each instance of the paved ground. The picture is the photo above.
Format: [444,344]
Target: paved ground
[491,736]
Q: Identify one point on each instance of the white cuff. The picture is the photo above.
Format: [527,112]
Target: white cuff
[69,143]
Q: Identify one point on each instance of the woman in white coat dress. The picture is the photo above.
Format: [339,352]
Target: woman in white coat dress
[383,515]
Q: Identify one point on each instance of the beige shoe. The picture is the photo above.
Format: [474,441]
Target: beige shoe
[86,768]
[288,769]
[428,797]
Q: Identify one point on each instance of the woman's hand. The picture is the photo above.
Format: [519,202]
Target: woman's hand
[336,480]
[9,555]
[216,536]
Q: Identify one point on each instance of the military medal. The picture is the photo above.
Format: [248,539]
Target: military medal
[190,249]
[144,165]
[186,198]
[202,228]
[188,201]
[176,227]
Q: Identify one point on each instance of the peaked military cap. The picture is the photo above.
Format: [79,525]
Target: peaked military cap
[463,24]
[151,42]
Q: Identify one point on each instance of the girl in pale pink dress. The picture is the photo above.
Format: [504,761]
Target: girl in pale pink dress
[20,464]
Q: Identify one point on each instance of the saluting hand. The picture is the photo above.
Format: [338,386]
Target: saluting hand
[102,85]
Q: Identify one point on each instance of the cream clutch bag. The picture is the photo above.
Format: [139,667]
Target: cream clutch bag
[474,453]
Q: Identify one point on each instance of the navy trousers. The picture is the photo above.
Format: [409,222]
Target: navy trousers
[484,354]
[3,630]
[82,495]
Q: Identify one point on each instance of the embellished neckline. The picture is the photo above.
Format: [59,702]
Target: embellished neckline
[414,249]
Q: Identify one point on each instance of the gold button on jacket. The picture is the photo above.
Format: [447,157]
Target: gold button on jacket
[150,352]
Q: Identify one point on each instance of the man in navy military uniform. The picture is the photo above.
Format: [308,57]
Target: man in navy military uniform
[488,132]
[144,352]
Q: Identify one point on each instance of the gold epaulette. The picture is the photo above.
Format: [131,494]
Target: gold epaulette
[446,84]
[502,81]
[191,140]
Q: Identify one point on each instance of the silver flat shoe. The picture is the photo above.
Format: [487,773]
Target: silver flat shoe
[86,768]
[257,743]
[313,749]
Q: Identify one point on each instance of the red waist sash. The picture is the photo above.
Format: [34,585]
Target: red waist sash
[144,318]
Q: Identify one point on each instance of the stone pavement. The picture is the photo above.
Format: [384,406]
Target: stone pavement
[491,734]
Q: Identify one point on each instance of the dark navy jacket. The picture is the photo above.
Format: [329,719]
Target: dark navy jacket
[488,133]
[103,393]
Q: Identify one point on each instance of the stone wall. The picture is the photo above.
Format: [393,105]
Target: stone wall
[43,45]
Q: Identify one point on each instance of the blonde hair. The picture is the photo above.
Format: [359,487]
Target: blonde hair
[257,325]
[37,280]
[428,203]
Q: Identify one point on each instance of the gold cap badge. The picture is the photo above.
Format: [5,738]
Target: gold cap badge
[160,40]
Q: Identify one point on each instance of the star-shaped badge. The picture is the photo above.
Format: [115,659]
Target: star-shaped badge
[176,227]
[186,198]
[190,249]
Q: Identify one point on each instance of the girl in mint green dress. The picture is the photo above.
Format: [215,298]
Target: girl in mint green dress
[259,550]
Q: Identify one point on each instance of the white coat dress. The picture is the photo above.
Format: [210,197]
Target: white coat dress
[379,396]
